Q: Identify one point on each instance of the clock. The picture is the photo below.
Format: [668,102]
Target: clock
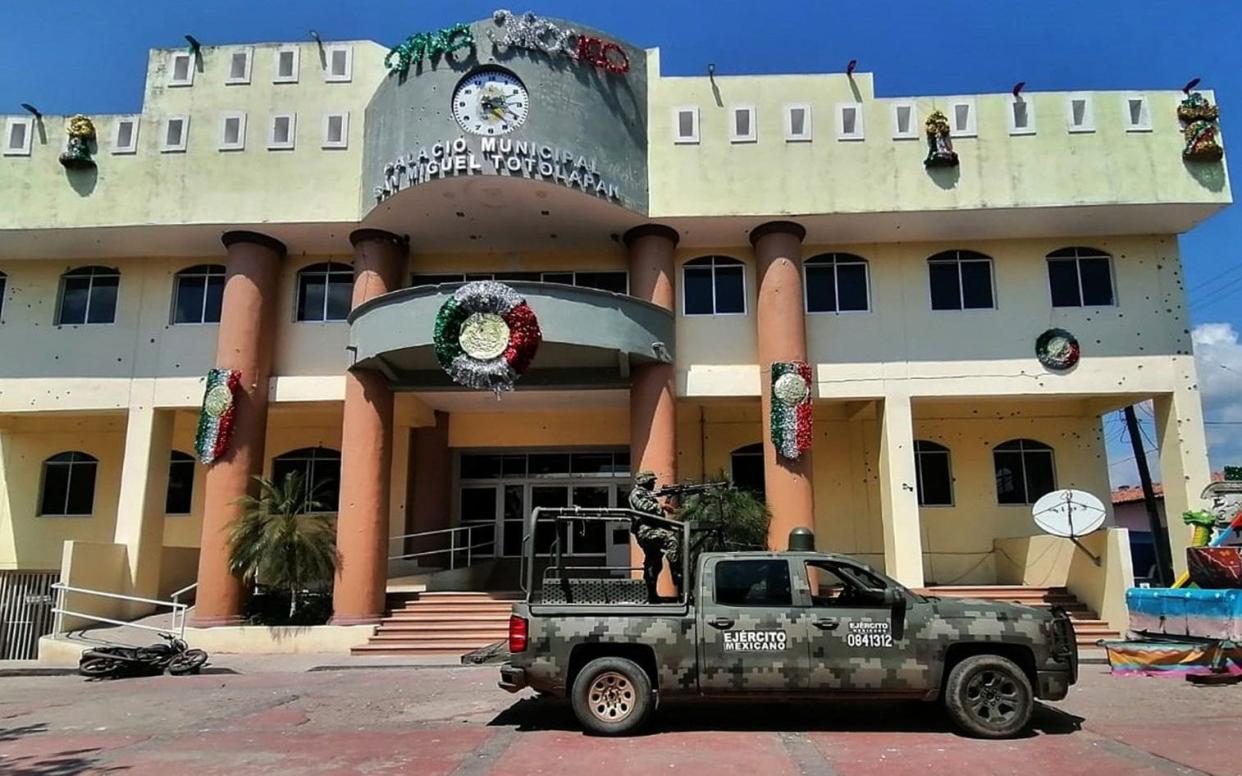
[490,101]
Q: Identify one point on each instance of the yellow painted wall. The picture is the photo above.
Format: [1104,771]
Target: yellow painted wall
[539,429]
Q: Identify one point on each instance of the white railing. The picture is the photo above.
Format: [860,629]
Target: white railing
[178,610]
[176,596]
[461,538]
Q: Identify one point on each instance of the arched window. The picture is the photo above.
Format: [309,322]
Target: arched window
[88,295]
[746,466]
[198,294]
[837,283]
[1080,277]
[713,285]
[320,468]
[960,280]
[1024,471]
[933,473]
[325,292]
[68,484]
[4,280]
[179,496]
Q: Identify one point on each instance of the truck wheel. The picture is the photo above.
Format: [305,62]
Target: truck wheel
[988,696]
[612,696]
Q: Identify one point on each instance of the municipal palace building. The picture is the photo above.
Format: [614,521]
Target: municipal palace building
[510,264]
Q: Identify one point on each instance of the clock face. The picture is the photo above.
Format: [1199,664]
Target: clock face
[490,102]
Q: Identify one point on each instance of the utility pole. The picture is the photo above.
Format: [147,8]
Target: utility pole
[1159,534]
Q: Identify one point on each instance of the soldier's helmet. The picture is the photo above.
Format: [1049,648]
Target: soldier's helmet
[645,478]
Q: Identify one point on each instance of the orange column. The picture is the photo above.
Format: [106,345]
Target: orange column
[782,337]
[244,343]
[430,479]
[366,450]
[653,404]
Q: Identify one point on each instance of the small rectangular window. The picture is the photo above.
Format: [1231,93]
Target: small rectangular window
[336,130]
[686,125]
[905,121]
[239,66]
[960,283]
[1080,113]
[742,124]
[176,130]
[125,135]
[340,61]
[282,132]
[962,118]
[753,583]
[18,131]
[797,123]
[286,65]
[849,121]
[1137,117]
[181,69]
[1021,116]
[233,132]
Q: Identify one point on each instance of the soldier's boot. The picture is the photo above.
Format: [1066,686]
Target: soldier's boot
[653,564]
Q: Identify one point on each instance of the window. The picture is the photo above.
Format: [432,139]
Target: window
[325,292]
[286,66]
[179,497]
[321,474]
[125,135]
[933,474]
[753,583]
[68,484]
[1021,116]
[1079,113]
[714,285]
[746,467]
[198,294]
[1024,471]
[837,283]
[1080,277]
[340,64]
[280,135]
[1134,109]
[960,280]
[18,131]
[336,130]
[239,66]
[905,121]
[176,130]
[798,123]
[849,121]
[88,295]
[742,124]
[686,125]
[616,282]
[233,132]
[3,287]
[838,584]
[962,118]
[181,69]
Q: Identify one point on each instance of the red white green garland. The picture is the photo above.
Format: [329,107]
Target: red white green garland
[215,420]
[486,336]
[791,408]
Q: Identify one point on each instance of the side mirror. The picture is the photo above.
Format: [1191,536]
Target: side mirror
[893,598]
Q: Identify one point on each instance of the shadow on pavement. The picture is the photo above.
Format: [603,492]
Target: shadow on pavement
[531,714]
[64,763]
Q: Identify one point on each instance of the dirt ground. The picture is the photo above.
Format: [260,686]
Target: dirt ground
[453,720]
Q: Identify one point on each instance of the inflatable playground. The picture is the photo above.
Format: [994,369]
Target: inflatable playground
[1194,628]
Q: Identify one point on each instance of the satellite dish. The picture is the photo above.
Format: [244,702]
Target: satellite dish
[1069,513]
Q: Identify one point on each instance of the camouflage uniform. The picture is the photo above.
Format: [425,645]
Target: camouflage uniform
[657,542]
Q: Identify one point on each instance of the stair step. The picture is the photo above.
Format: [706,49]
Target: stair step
[456,608]
[415,617]
[397,648]
[424,637]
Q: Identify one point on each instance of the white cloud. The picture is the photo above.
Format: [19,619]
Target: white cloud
[1218,356]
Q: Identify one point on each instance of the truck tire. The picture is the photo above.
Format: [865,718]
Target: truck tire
[989,696]
[612,696]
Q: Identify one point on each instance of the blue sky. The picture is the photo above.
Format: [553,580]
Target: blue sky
[69,56]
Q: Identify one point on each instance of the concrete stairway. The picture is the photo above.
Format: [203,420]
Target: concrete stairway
[440,623]
[1087,625]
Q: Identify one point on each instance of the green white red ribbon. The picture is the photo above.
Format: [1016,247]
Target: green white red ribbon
[486,335]
[791,408]
[215,419]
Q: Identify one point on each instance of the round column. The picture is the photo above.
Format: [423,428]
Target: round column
[653,402]
[781,326]
[366,450]
[244,343]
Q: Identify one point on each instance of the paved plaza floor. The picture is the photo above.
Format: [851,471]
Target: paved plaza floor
[387,719]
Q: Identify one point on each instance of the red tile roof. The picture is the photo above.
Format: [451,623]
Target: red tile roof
[1128,494]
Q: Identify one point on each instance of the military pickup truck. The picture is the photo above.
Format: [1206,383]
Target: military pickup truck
[788,625]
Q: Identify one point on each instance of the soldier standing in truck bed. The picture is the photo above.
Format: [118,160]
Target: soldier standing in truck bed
[656,541]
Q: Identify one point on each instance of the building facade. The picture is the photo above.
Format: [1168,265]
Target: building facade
[299,214]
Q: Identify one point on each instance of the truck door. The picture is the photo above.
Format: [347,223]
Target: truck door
[859,642]
[752,637]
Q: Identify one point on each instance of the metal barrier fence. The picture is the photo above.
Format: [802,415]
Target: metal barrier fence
[178,610]
[26,614]
[462,539]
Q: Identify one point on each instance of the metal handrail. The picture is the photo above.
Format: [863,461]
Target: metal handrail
[176,596]
[178,609]
[454,547]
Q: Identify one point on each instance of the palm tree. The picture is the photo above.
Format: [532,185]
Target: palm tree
[283,539]
[742,518]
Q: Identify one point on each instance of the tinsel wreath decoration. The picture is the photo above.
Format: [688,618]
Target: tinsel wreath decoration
[486,336]
[940,151]
[428,45]
[215,420]
[77,154]
[1057,349]
[791,408]
[1199,117]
